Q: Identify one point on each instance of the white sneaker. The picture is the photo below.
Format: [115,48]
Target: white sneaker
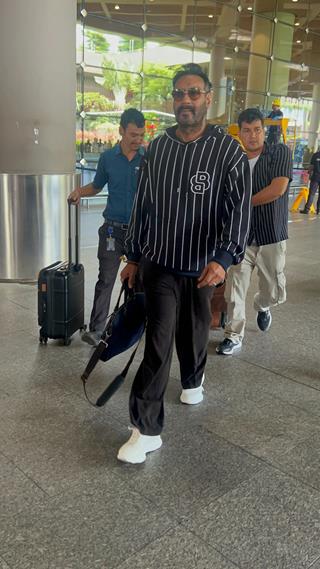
[135,449]
[192,396]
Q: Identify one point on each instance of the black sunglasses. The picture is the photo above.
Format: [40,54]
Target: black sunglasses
[193,93]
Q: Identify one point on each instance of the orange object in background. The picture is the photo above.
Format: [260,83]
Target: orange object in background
[233,128]
[302,197]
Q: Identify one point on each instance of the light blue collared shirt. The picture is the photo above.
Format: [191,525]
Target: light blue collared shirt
[121,175]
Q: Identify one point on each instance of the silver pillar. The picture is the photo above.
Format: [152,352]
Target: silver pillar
[314,118]
[37,143]
[33,223]
[259,81]
[219,82]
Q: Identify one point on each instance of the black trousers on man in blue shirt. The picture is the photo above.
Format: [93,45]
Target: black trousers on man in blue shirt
[314,186]
[109,262]
[176,310]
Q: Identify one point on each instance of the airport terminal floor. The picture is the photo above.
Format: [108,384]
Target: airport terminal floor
[236,484]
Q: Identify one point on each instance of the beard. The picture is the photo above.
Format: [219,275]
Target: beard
[188,115]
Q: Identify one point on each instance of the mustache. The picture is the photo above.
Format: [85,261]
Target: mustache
[185,108]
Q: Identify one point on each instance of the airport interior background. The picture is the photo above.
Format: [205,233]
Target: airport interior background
[236,484]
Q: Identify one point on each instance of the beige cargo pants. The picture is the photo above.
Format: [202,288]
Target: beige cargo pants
[269,261]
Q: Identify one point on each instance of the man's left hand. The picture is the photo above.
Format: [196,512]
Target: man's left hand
[212,275]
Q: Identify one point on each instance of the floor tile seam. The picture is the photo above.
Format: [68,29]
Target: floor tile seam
[90,420]
[233,444]
[174,519]
[311,413]
[313,563]
[278,374]
[292,405]
[209,545]
[6,562]
[261,404]
[55,512]
[145,546]
[34,391]
[60,453]
[270,465]
[179,519]
[83,399]
[27,476]
[22,305]
[315,428]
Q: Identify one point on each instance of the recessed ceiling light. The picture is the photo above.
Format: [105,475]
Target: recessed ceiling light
[250,8]
[295,0]
[297,24]
[210,15]
[117,7]
[298,41]
[227,58]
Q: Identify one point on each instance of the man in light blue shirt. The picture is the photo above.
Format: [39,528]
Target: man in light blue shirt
[119,168]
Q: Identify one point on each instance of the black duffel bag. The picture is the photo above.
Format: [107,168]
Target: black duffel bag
[124,328]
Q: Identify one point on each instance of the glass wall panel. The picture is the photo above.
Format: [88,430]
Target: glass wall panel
[207,20]
[311,50]
[253,51]
[216,24]
[266,8]
[167,52]
[239,103]
[290,12]
[251,72]
[313,20]
[114,15]
[255,33]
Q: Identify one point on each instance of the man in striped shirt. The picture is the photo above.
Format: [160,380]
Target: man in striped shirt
[271,169]
[189,223]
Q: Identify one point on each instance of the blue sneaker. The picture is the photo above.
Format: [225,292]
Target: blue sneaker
[229,347]
[264,320]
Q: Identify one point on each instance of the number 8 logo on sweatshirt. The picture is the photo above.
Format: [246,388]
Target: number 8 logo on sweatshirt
[200,182]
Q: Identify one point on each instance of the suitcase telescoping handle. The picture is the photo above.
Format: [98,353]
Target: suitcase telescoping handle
[76,237]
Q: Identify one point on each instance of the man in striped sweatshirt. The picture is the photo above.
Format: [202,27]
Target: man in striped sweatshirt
[189,223]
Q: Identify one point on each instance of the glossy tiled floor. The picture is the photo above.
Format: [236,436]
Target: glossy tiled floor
[237,481]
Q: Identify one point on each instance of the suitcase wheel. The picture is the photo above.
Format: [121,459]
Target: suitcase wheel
[43,339]
[67,341]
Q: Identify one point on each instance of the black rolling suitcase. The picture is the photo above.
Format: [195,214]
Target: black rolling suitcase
[61,294]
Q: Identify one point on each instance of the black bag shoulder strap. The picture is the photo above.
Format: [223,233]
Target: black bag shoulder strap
[95,358]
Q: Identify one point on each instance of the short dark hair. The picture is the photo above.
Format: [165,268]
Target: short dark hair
[192,69]
[249,116]
[132,116]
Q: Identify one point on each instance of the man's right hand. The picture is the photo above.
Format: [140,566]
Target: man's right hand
[74,197]
[129,272]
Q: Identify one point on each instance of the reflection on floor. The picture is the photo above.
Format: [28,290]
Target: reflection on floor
[237,481]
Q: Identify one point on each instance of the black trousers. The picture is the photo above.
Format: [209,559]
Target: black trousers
[109,263]
[273,136]
[176,310]
[314,186]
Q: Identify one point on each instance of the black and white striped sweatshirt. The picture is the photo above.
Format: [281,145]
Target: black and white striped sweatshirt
[193,203]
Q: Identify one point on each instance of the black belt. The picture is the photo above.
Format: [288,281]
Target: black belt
[123,226]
